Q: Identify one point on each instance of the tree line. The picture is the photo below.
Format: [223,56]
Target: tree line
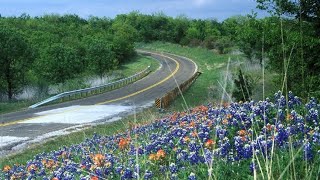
[54,48]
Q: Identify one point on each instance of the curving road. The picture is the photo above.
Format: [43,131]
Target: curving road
[19,129]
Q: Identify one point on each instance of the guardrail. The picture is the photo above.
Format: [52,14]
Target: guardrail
[96,89]
[164,101]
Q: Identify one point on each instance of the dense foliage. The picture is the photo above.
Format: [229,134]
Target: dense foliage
[289,40]
[62,48]
[233,140]
[15,58]
[65,47]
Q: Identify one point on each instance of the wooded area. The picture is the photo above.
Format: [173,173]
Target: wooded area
[52,49]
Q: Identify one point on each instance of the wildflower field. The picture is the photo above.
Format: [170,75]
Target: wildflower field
[277,138]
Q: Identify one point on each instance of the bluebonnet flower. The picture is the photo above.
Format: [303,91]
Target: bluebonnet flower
[182,156]
[208,156]
[173,168]
[316,136]
[281,115]
[193,146]
[307,151]
[313,103]
[282,135]
[119,169]
[127,174]
[312,115]
[253,167]
[148,174]
[163,168]
[247,151]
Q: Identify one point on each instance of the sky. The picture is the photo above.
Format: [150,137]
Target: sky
[204,9]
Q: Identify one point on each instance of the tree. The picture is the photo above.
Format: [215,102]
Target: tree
[124,37]
[101,58]
[181,24]
[212,33]
[223,44]
[161,27]
[298,54]
[59,63]
[249,37]
[193,36]
[211,28]
[15,59]
[231,25]
[305,10]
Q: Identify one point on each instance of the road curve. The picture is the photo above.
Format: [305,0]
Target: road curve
[31,124]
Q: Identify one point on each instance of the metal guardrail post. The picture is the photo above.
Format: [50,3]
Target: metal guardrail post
[171,95]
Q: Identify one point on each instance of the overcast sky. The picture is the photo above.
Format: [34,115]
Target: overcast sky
[220,9]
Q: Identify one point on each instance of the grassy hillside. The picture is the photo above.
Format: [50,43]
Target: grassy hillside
[213,67]
[216,75]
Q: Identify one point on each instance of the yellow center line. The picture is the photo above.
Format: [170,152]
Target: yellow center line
[147,88]
[109,101]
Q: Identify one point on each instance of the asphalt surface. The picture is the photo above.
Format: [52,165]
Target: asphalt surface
[174,70]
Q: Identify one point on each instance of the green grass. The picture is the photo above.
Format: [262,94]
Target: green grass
[212,65]
[6,107]
[136,64]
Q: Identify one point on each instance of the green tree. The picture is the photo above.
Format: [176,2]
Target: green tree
[231,25]
[295,48]
[15,59]
[250,36]
[101,58]
[181,24]
[212,33]
[124,37]
[305,10]
[223,44]
[193,36]
[59,63]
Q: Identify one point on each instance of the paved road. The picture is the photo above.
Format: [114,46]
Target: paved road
[31,125]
